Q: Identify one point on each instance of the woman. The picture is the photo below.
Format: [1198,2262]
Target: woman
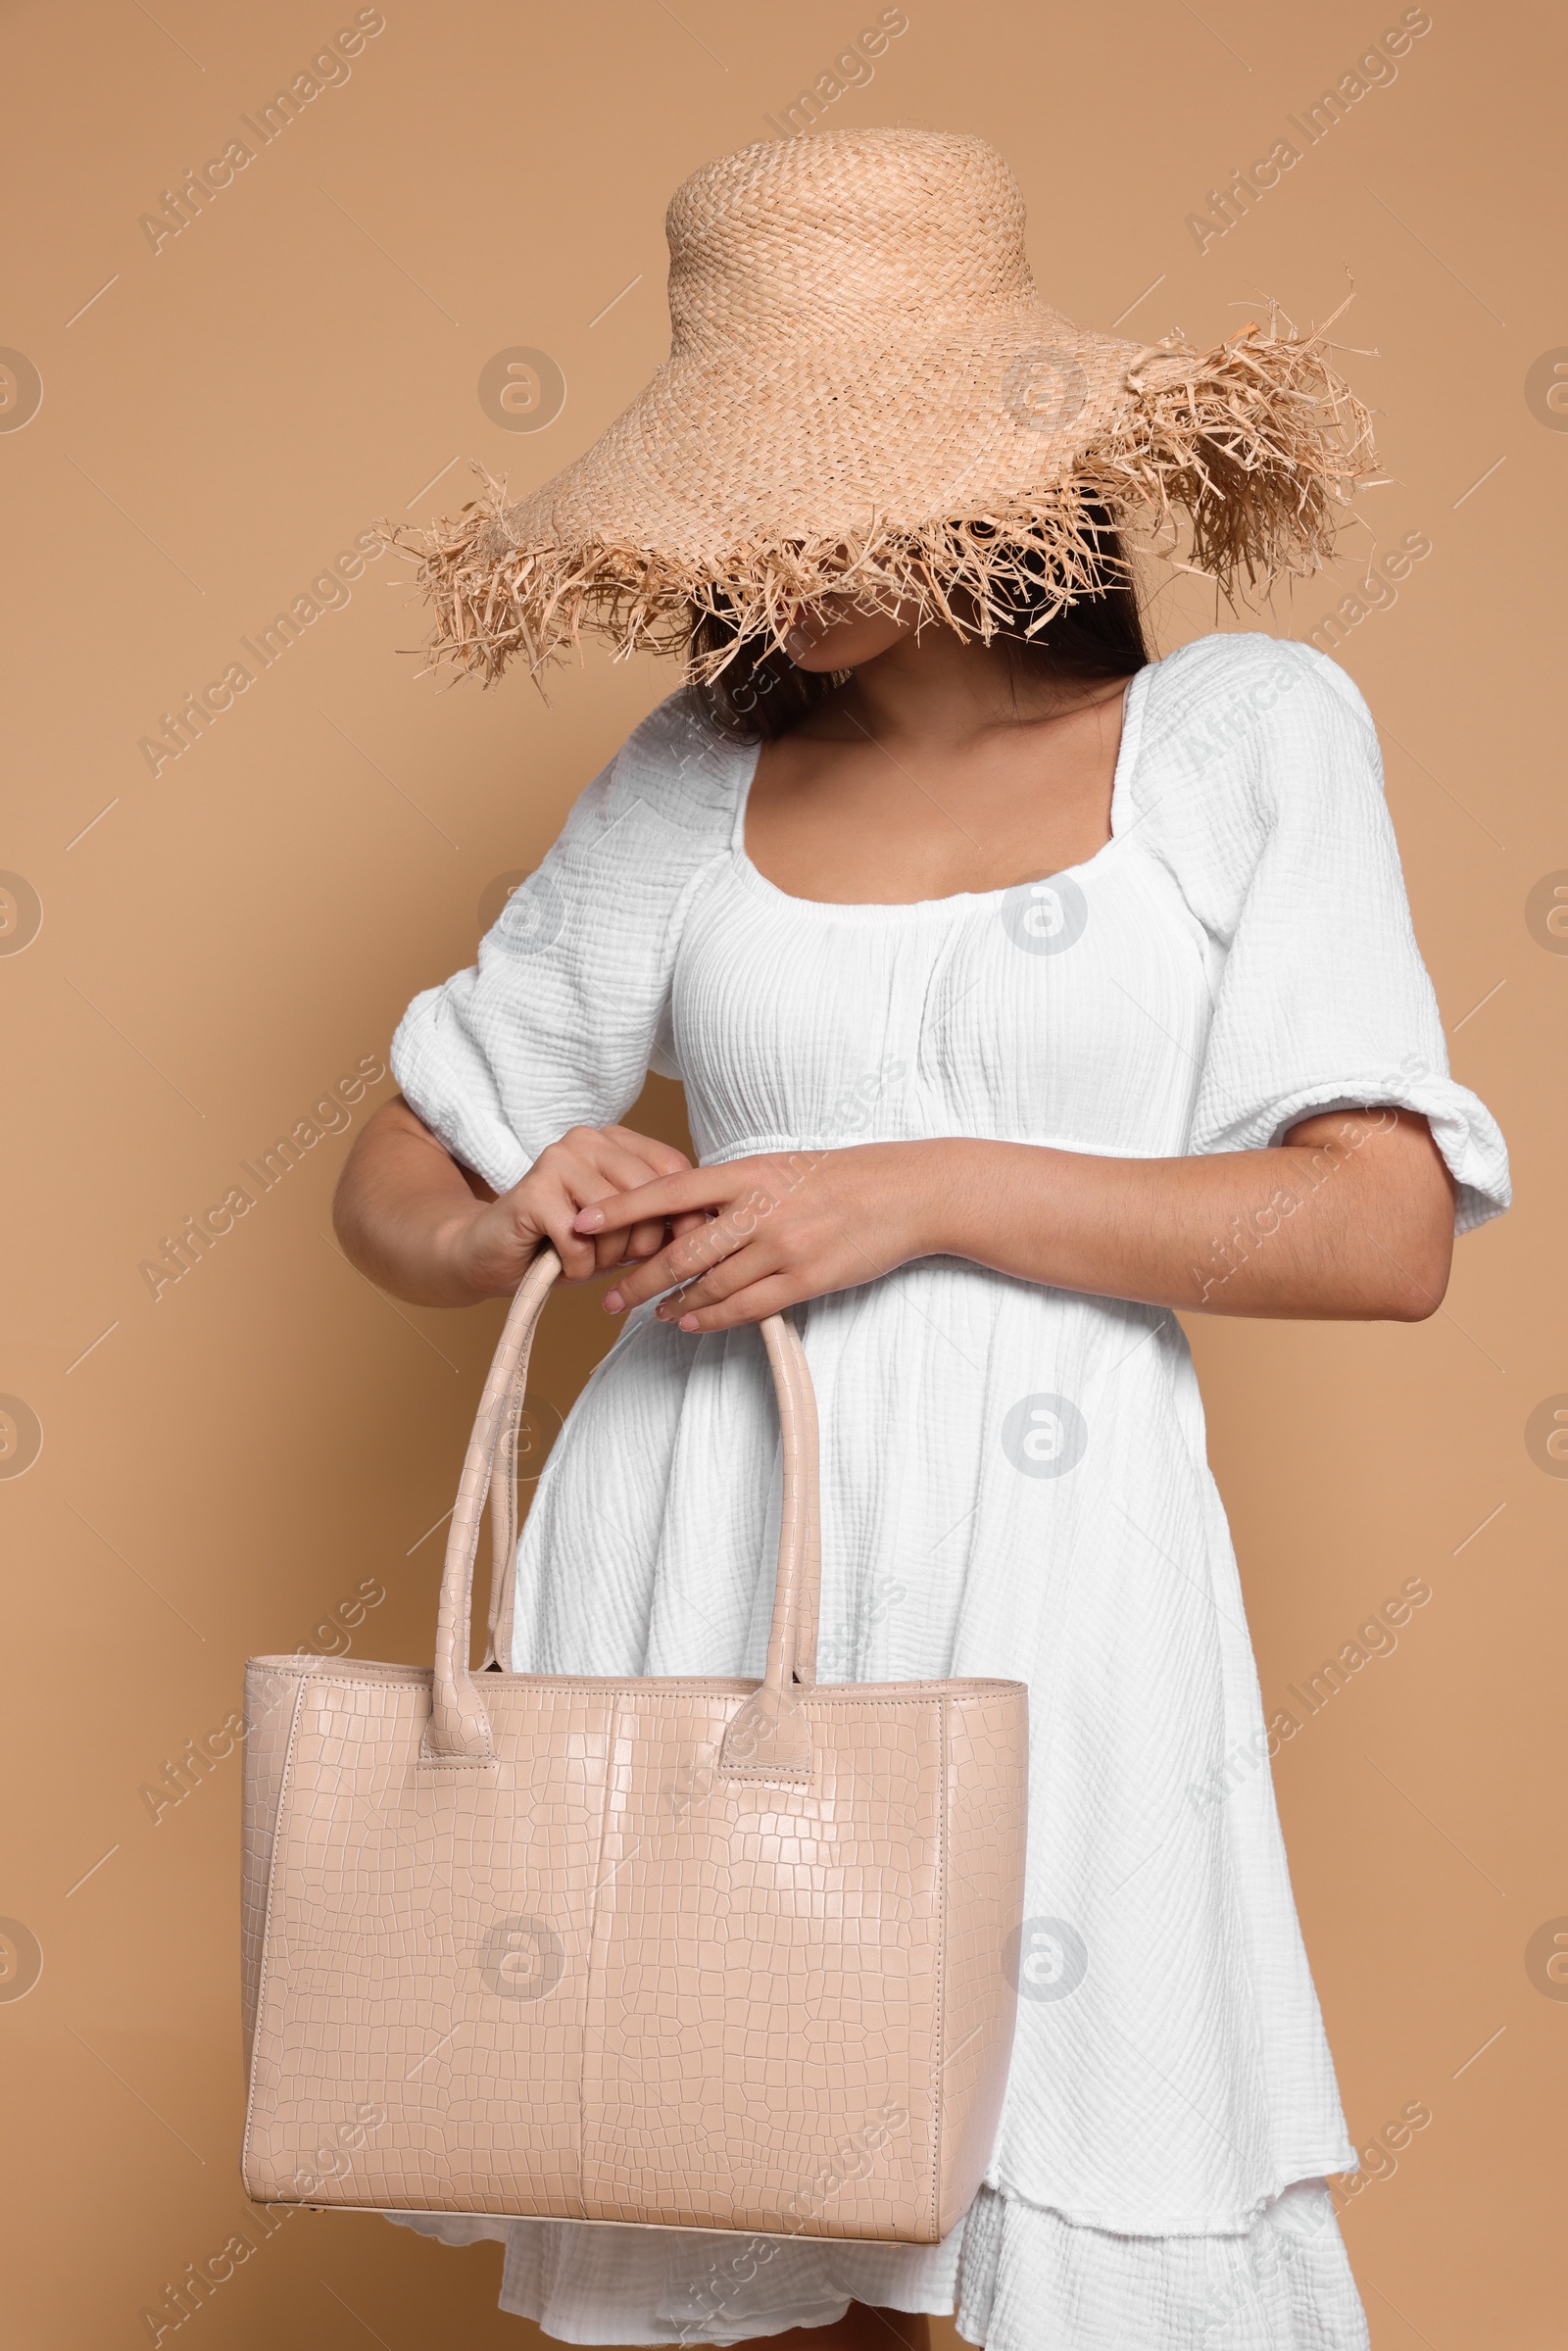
[1026,991]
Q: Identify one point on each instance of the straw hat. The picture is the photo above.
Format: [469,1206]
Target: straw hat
[865,392]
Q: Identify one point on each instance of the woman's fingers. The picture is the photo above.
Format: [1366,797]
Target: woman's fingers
[584,1167]
[747,1264]
[752,1302]
[617,1172]
[660,1158]
[608,1172]
[590,1164]
[640,1159]
[652,1161]
[589,1170]
[641,1241]
[553,1210]
[681,1261]
[694,1189]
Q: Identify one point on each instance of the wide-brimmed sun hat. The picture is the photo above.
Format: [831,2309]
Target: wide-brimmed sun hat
[867,393]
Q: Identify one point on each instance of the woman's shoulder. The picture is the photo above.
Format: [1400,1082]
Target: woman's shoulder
[655,817]
[1245,739]
[674,771]
[1215,696]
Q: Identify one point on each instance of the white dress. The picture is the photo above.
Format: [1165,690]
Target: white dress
[1014,1477]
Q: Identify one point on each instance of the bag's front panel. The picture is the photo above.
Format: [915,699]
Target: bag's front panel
[425,1956]
[272,1689]
[761,2032]
[988,1776]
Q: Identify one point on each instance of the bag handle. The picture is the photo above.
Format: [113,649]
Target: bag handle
[504,1514]
[768,1739]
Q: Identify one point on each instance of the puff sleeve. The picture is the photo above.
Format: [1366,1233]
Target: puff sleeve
[567,1006]
[1276,827]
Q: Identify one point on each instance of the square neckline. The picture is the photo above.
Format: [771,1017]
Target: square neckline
[876,908]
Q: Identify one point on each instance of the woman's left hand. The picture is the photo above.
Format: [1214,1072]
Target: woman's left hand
[781,1226]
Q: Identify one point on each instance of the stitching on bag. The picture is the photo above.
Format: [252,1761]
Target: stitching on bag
[425,1760]
[945,1846]
[286,1787]
[502,1569]
[513,1386]
[719,2229]
[929,1694]
[756,1779]
[588,1961]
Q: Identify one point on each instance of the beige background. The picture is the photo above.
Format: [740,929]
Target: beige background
[223,1468]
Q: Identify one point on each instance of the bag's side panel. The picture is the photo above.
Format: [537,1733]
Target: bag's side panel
[421,2030]
[987,1796]
[763,2020]
[270,1692]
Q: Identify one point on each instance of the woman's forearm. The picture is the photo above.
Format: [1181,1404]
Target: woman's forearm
[1353,1217]
[402,1200]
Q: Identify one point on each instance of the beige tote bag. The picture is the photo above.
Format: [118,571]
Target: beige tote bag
[695,1954]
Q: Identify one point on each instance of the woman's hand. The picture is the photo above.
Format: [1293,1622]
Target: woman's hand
[491,1248]
[759,1234]
[412,1220]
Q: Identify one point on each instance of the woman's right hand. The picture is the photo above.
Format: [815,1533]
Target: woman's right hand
[420,1226]
[491,1245]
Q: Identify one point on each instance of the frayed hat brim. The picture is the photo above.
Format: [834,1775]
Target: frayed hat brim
[1257,447]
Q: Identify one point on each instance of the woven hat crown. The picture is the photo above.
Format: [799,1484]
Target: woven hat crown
[865,394]
[886,233]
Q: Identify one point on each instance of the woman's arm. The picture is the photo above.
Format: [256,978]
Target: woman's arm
[1351,1217]
[426,1230]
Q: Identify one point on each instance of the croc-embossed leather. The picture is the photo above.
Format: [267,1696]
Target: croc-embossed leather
[691,1953]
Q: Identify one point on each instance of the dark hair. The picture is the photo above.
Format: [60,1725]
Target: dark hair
[1099,633]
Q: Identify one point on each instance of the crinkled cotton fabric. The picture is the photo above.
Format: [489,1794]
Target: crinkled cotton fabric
[1014,1478]
[1016,2278]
